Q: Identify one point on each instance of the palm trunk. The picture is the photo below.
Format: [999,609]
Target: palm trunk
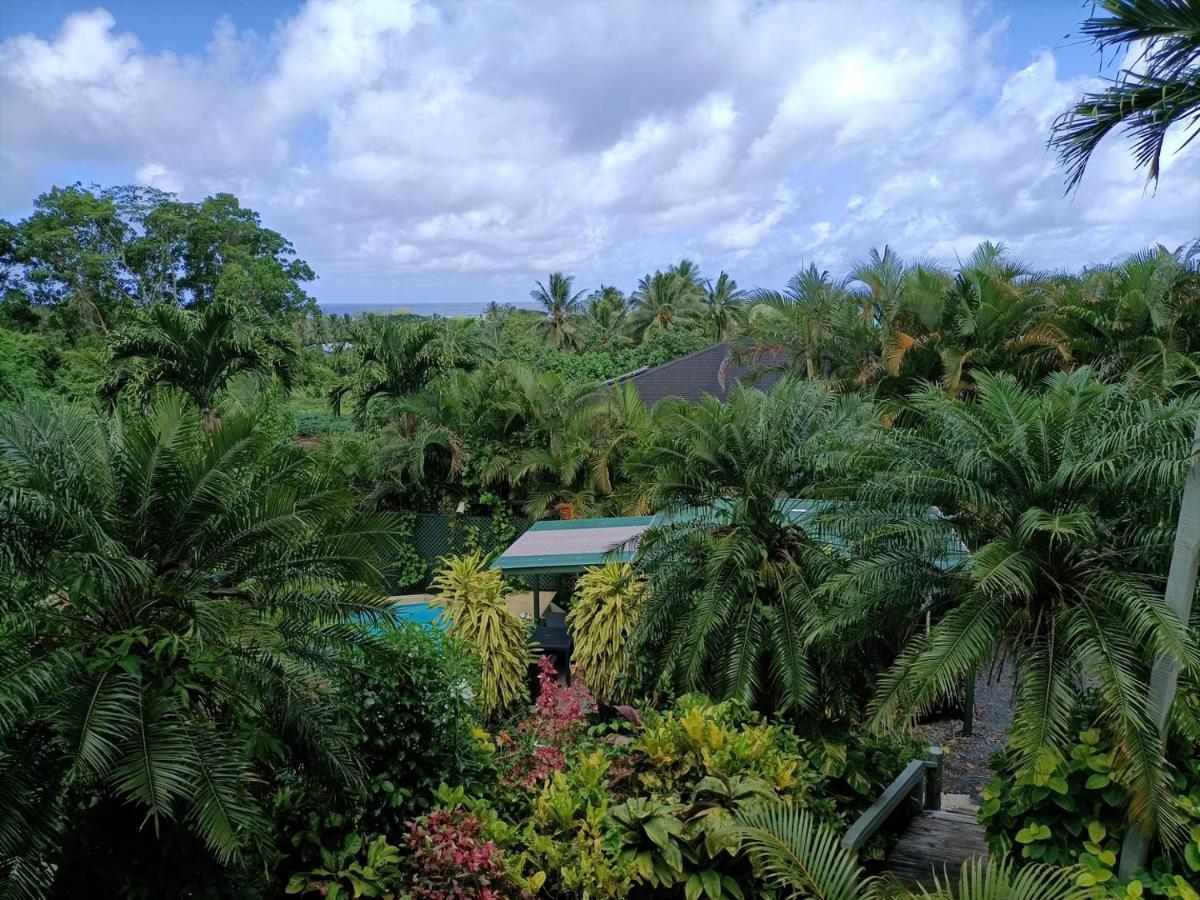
[1164,677]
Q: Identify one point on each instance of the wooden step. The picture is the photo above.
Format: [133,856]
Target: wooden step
[936,843]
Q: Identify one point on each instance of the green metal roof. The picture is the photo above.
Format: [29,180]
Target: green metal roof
[571,545]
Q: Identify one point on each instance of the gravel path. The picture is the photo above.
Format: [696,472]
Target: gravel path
[967,758]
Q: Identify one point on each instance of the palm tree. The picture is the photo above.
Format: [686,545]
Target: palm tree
[1159,89]
[397,358]
[799,318]
[176,601]
[724,301]
[561,306]
[993,313]
[882,274]
[579,467]
[197,352]
[1138,319]
[661,300]
[1064,498]
[604,321]
[733,578]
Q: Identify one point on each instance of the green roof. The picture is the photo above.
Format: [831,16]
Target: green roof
[571,545]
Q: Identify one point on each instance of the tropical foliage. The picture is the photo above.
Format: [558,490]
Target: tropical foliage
[607,602]
[174,603]
[734,576]
[203,688]
[1159,89]
[472,599]
[198,353]
[1059,496]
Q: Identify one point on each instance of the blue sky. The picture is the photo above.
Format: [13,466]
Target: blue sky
[451,151]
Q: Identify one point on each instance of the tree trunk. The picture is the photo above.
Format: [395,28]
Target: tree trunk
[1164,677]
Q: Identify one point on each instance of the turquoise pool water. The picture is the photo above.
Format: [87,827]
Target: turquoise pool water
[421,613]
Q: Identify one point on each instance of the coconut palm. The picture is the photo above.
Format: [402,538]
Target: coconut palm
[562,308]
[1065,499]
[733,578]
[197,352]
[1157,90]
[604,322]
[663,299]
[396,358]
[724,301]
[175,602]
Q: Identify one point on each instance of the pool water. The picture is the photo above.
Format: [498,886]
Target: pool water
[421,613]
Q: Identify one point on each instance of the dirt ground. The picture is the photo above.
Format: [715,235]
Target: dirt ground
[967,757]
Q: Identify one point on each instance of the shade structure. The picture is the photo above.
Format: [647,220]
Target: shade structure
[571,545]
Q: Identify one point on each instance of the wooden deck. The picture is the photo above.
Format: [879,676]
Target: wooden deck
[936,843]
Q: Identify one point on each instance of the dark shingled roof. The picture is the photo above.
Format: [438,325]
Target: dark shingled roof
[707,371]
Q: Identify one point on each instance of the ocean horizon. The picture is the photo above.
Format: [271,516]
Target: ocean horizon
[424,308]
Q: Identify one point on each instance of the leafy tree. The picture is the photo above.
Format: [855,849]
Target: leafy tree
[1064,498]
[69,255]
[662,299]
[197,352]
[174,603]
[562,308]
[1156,91]
[89,253]
[396,358]
[723,299]
[193,253]
[733,576]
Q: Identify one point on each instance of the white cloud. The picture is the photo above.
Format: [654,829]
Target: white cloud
[484,143]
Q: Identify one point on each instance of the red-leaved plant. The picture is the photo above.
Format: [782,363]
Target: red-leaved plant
[561,709]
[560,714]
[450,859]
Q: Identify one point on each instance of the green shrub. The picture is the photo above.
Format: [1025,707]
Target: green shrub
[414,696]
[1076,814]
[473,599]
[603,613]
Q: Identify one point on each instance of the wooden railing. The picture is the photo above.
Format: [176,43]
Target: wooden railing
[925,772]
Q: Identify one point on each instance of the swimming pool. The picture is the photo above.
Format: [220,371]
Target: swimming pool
[421,613]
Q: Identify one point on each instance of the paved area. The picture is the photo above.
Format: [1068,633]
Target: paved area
[967,758]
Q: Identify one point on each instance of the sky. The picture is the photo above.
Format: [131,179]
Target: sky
[415,150]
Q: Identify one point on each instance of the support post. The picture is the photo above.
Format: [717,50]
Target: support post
[933,778]
[1164,677]
[537,600]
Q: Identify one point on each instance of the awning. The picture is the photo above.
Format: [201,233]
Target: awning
[571,545]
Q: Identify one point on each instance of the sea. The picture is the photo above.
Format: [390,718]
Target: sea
[425,308]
